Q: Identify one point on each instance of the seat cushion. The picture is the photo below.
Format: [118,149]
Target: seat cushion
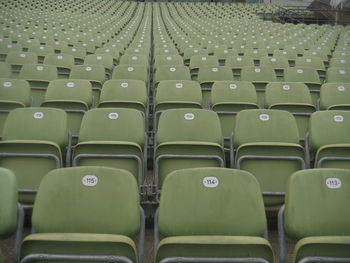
[79,244]
[214,246]
[326,246]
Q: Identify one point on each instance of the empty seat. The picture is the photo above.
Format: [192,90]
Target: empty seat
[190,51]
[105,199]
[189,225]
[316,215]
[41,51]
[187,138]
[266,143]
[173,94]
[34,142]
[79,53]
[63,63]
[39,77]
[227,99]
[260,77]
[140,60]
[8,204]
[131,72]
[5,70]
[198,61]
[168,60]
[329,139]
[236,63]
[112,137]
[171,73]
[335,96]
[14,93]
[338,75]
[279,64]
[100,59]
[293,97]
[124,93]
[96,74]
[309,76]
[72,96]
[208,75]
[17,59]
[312,62]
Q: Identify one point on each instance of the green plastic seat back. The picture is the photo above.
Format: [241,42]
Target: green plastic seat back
[8,202]
[301,75]
[198,61]
[255,74]
[189,52]
[141,60]
[178,91]
[69,90]
[189,125]
[329,127]
[5,70]
[211,74]
[255,53]
[316,203]
[137,51]
[77,52]
[316,53]
[275,62]
[99,59]
[113,51]
[59,60]
[6,48]
[338,75]
[41,50]
[165,51]
[310,62]
[88,72]
[112,124]
[269,126]
[168,60]
[14,90]
[223,53]
[172,73]
[130,72]
[339,63]
[289,54]
[239,61]
[287,93]
[199,192]
[233,92]
[44,124]
[38,72]
[97,199]
[127,90]
[335,95]
[21,58]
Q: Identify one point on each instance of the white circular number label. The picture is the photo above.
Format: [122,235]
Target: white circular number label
[179,85]
[257,70]
[189,116]
[90,180]
[70,84]
[264,117]
[338,118]
[38,115]
[342,71]
[88,68]
[341,88]
[172,69]
[124,85]
[333,183]
[286,87]
[7,84]
[113,116]
[130,69]
[210,182]
[300,71]
[233,86]
[204,59]
[215,69]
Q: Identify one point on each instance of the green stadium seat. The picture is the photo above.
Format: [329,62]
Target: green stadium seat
[266,144]
[113,137]
[63,63]
[329,139]
[190,227]
[34,141]
[335,96]
[105,199]
[316,216]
